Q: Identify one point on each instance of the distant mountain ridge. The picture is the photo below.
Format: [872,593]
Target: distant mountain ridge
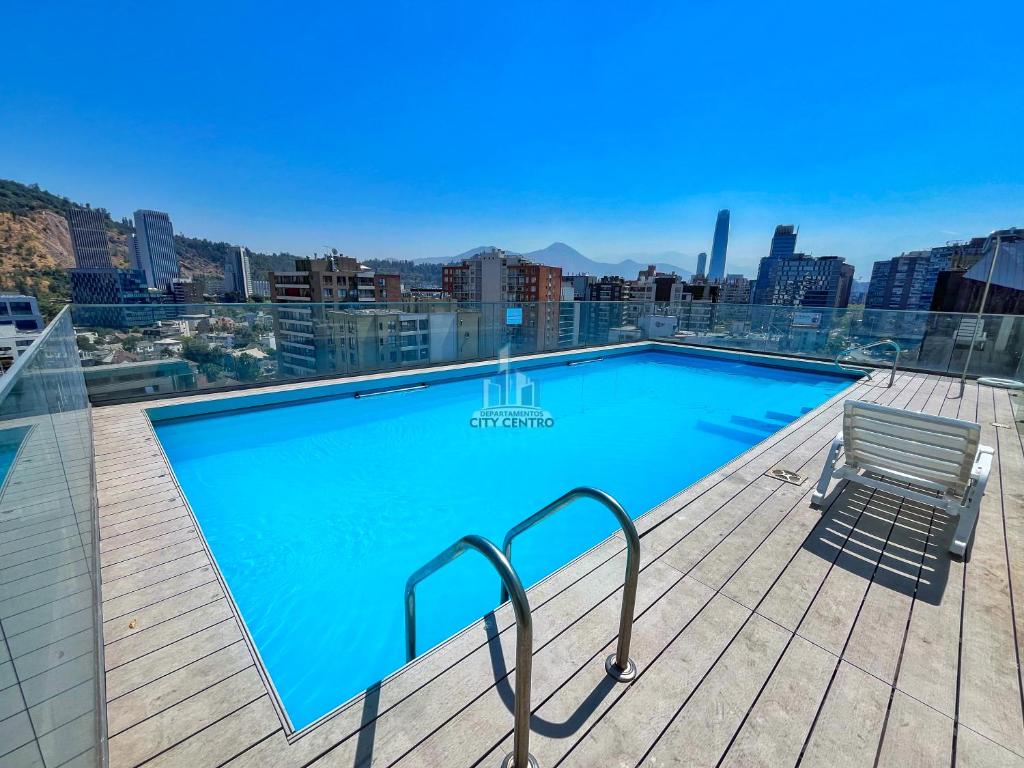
[36,252]
[573,262]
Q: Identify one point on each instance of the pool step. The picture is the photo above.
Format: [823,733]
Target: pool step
[732,433]
[768,427]
[784,418]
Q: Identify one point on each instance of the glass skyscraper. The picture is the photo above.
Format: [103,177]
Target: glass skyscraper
[88,230]
[153,249]
[719,246]
[783,242]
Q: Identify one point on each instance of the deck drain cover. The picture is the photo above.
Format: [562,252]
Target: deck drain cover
[786,476]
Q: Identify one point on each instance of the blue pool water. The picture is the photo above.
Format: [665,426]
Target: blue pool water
[318,511]
[10,442]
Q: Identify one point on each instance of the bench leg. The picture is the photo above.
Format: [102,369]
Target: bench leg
[818,497]
[972,504]
[962,534]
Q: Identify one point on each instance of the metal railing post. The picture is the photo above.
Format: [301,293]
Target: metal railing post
[890,342]
[981,312]
[618,665]
[520,756]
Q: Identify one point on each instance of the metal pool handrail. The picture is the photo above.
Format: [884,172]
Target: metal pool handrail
[889,342]
[618,665]
[520,756]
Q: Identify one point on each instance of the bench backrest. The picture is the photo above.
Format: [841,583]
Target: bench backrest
[933,451]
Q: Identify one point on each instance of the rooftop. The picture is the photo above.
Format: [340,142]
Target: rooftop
[766,633]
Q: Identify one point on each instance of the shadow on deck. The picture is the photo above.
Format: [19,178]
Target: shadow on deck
[899,544]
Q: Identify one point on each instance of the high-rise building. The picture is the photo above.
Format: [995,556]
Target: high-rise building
[153,249]
[569,312]
[735,290]
[261,288]
[961,289]
[783,242]
[719,246]
[906,282]
[911,280]
[303,330]
[187,291]
[605,309]
[113,291]
[702,264]
[580,285]
[237,273]
[88,230]
[803,281]
[495,277]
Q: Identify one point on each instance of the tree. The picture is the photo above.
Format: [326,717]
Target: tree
[130,343]
[211,370]
[200,352]
[246,368]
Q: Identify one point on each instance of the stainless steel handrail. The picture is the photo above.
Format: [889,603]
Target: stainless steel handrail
[520,756]
[618,665]
[889,342]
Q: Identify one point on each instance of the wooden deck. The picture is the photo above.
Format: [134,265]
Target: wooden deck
[767,633]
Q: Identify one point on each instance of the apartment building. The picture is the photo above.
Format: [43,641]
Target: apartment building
[373,339]
[801,280]
[497,279]
[304,331]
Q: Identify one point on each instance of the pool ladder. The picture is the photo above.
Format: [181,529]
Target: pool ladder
[884,342]
[618,665]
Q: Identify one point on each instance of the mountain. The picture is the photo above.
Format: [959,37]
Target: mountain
[36,252]
[572,261]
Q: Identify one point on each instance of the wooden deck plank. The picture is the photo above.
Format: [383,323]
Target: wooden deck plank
[929,665]
[850,722]
[916,736]
[975,751]
[990,695]
[224,739]
[135,674]
[138,644]
[1008,441]
[650,703]
[704,727]
[774,729]
[165,692]
[163,731]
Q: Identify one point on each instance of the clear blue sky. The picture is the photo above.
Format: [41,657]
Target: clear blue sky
[426,128]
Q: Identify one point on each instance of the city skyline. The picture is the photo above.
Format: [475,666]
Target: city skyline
[422,139]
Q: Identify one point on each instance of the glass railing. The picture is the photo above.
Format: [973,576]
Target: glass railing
[134,352]
[50,662]
[930,341]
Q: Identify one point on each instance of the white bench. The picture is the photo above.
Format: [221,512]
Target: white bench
[889,448]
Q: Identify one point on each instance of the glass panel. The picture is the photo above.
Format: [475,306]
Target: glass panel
[48,561]
[145,351]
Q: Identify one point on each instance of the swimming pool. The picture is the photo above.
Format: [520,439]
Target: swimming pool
[317,511]
[10,443]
